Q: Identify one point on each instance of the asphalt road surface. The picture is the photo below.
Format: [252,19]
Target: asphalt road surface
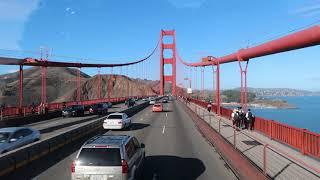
[175,150]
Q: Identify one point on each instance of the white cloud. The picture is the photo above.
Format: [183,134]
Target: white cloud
[68,9]
[187,3]
[13,16]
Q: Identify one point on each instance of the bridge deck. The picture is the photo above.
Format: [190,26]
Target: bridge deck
[174,150]
[290,164]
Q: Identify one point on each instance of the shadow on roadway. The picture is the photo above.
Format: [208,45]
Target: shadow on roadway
[167,110]
[172,168]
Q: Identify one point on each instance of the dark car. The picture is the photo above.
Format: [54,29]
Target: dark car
[130,102]
[74,110]
[100,108]
[164,100]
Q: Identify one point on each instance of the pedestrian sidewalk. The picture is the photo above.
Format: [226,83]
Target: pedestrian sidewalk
[275,159]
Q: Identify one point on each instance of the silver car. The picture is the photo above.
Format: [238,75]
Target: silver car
[117,121]
[112,157]
[15,137]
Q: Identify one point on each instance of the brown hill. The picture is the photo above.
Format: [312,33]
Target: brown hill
[61,86]
[118,83]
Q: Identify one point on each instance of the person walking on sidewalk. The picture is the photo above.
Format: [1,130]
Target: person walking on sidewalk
[250,119]
[209,106]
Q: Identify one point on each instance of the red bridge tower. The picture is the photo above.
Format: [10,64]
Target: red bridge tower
[168,60]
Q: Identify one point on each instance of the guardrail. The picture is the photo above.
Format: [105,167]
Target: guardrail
[15,159]
[301,139]
[26,110]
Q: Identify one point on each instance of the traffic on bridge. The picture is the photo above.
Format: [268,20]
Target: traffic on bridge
[145,112]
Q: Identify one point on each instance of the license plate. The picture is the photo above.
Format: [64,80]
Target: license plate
[98,177]
[95,177]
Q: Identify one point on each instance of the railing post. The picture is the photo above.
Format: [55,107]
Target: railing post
[265,159]
[1,114]
[270,128]
[24,112]
[303,147]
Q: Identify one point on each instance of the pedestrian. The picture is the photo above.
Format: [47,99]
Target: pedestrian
[233,116]
[250,119]
[241,117]
[33,108]
[209,106]
[64,105]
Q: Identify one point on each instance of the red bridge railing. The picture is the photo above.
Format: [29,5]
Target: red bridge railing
[304,140]
[16,111]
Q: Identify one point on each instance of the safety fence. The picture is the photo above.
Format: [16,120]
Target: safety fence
[306,141]
[25,110]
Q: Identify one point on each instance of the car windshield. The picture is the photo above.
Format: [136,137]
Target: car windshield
[157,105]
[115,117]
[100,157]
[4,137]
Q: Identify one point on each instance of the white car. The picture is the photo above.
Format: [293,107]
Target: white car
[152,102]
[117,121]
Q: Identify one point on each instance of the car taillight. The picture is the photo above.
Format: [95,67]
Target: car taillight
[125,167]
[73,168]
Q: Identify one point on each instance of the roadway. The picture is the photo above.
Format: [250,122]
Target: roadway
[175,150]
[51,127]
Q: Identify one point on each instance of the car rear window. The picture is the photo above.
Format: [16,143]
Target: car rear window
[100,157]
[115,117]
[157,105]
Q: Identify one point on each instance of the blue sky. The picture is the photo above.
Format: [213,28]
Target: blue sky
[115,31]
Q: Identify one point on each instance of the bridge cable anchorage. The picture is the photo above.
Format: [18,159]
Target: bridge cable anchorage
[243,87]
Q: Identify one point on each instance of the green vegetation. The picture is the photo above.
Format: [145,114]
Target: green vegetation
[234,96]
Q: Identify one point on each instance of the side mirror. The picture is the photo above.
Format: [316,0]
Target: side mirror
[13,140]
[143,145]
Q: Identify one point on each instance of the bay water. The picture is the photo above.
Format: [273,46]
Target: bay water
[307,114]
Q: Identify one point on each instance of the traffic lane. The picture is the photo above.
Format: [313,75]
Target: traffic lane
[58,121]
[61,169]
[79,122]
[174,148]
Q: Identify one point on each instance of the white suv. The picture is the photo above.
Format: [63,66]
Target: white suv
[114,157]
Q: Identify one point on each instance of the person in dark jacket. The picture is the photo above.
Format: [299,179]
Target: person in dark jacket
[250,119]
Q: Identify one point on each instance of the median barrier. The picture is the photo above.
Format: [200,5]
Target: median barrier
[21,157]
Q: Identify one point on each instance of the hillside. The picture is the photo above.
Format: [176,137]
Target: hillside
[281,92]
[61,86]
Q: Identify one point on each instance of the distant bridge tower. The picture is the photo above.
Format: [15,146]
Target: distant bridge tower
[168,60]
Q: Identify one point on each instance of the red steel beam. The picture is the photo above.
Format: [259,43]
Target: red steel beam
[302,39]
